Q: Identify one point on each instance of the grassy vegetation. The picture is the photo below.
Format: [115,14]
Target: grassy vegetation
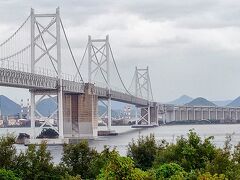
[190,158]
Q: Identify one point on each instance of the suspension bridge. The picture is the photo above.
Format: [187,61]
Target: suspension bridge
[38,56]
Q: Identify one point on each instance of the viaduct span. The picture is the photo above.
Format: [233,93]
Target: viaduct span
[173,113]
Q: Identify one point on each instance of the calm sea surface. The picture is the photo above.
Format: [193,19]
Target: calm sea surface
[126,134]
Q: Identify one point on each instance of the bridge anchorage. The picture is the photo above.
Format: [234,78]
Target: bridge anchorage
[36,64]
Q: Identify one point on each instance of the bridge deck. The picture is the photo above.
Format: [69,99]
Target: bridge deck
[20,79]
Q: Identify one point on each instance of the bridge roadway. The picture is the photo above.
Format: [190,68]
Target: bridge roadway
[20,79]
[184,113]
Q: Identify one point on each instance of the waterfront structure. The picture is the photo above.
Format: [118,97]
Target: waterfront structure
[23,60]
[173,113]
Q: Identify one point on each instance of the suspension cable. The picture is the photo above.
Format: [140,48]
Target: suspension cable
[15,31]
[71,50]
[118,71]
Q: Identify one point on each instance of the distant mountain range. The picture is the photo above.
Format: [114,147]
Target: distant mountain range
[184,99]
[8,107]
[200,102]
[235,102]
[222,103]
[204,102]
[47,106]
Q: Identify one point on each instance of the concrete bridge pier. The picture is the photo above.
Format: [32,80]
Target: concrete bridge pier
[80,114]
[154,114]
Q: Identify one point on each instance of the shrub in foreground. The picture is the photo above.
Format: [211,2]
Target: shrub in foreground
[143,151]
[7,175]
[7,152]
[78,159]
[121,168]
[169,170]
[208,176]
[36,163]
[191,158]
[190,153]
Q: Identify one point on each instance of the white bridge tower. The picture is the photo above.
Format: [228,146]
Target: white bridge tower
[46,44]
[98,61]
[143,90]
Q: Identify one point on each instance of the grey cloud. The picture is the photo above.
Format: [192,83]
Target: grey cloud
[165,43]
[165,10]
[189,14]
[213,19]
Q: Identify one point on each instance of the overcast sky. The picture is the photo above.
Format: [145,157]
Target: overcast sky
[192,47]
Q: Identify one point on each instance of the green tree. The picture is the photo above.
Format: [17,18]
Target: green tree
[190,153]
[78,158]
[36,163]
[69,177]
[7,175]
[234,171]
[208,176]
[100,161]
[121,168]
[144,151]
[169,170]
[221,163]
[7,152]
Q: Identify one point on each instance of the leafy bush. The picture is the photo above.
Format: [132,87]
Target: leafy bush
[36,163]
[69,177]
[143,151]
[226,162]
[7,175]
[208,176]
[190,153]
[101,160]
[121,168]
[78,159]
[169,170]
[7,152]
[191,158]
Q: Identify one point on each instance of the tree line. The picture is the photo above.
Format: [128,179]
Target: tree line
[190,158]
